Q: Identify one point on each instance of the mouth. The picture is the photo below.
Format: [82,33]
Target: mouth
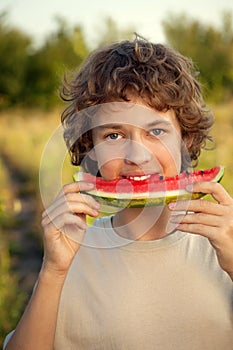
[137,177]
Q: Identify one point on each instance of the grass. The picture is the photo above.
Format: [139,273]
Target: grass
[10,293]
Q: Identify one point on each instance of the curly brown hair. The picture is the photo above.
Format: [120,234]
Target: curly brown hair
[159,75]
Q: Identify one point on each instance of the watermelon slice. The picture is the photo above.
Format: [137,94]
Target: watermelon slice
[155,190]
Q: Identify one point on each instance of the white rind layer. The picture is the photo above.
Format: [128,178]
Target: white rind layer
[143,195]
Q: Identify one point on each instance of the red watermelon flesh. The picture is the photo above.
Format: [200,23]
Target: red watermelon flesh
[155,190]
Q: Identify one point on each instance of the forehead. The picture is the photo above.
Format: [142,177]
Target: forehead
[130,114]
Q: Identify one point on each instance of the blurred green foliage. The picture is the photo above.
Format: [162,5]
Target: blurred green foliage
[210,48]
[31,76]
[12,298]
[14,46]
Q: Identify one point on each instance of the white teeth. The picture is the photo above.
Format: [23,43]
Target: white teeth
[139,178]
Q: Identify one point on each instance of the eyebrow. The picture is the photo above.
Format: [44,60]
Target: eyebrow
[108,126]
[117,126]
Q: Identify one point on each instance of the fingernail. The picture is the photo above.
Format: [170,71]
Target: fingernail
[95,212]
[171,205]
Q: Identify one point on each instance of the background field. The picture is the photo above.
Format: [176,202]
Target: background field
[23,136]
[30,113]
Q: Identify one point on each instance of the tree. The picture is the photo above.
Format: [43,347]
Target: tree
[210,48]
[110,32]
[63,50]
[30,76]
[14,48]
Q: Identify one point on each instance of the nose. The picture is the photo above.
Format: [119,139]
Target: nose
[137,153]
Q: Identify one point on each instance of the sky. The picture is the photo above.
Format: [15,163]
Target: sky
[146,16]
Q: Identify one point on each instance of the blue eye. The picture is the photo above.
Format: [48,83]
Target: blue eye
[157,132]
[113,136]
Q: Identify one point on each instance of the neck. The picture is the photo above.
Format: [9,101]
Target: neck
[143,223]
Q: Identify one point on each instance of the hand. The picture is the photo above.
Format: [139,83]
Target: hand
[64,224]
[213,220]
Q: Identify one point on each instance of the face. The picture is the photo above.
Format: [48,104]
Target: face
[134,141]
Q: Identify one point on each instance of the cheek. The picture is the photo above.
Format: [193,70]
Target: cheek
[109,160]
[105,154]
[110,170]
[169,156]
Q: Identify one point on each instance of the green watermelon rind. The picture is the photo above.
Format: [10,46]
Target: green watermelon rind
[143,202]
[124,200]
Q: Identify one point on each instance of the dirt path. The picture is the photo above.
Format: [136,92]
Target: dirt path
[23,232]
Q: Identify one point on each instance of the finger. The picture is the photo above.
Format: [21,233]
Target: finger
[73,202]
[63,220]
[198,218]
[68,225]
[215,189]
[68,199]
[76,187]
[71,196]
[200,229]
[200,205]
[82,198]
[77,208]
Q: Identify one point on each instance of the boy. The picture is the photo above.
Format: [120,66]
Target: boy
[145,278]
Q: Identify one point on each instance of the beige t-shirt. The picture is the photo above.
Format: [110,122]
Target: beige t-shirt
[167,294]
